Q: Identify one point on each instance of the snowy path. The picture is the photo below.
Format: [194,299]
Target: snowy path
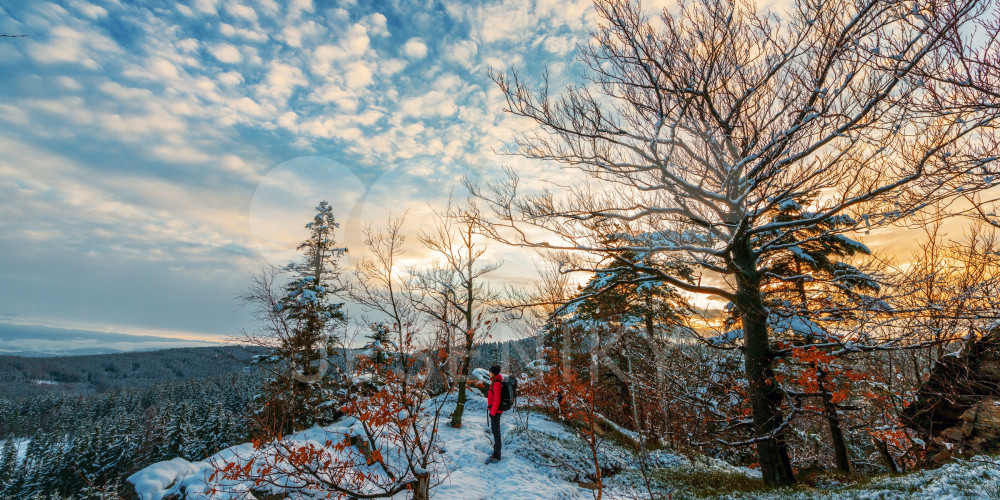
[516,476]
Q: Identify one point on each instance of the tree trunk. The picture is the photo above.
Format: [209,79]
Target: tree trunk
[840,456]
[883,450]
[765,396]
[463,379]
[456,417]
[598,473]
[422,489]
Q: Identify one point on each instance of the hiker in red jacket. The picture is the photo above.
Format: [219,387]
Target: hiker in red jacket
[493,408]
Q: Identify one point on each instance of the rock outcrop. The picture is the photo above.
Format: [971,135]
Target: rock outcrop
[958,408]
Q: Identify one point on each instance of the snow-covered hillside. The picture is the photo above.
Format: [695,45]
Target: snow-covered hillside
[524,472]
[545,461]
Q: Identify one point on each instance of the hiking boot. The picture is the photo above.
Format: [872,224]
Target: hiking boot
[492,460]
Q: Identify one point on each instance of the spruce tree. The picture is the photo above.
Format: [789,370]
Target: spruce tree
[210,435]
[302,323]
[112,454]
[177,438]
[379,350]
[39,459]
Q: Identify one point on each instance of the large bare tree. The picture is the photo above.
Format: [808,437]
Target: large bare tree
[695,126]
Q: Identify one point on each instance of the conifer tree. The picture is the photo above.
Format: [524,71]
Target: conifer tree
[213,433]
[113,451]
[40,457]
[623,315]
[8,462]
[80,463]
[177,435]
[379,348]
[299,329]
[812,294]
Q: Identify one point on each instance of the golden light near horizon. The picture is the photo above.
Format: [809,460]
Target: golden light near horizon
[174,142]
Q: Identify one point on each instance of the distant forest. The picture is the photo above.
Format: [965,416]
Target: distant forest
[75,427]
[38,376]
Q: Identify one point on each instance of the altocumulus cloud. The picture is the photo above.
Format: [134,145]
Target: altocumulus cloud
[134,135]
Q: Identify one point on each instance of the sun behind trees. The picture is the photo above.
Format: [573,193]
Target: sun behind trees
[462,298]
[694,129]
[729,152]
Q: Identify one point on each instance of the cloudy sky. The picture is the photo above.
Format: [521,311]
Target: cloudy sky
[153,154]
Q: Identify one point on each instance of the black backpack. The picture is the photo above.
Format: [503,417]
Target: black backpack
[508,394]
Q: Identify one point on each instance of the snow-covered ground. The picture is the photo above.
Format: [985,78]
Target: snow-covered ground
[523,472]
[529,469]
[545,461]
[977,479]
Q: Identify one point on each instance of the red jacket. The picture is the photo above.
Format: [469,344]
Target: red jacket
[493,395]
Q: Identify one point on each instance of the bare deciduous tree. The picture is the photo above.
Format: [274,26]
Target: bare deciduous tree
[696,126]
[459,283]
[947,291]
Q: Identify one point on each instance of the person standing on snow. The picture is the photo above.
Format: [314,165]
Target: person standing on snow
[493,408]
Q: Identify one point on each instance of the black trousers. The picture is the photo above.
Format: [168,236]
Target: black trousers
[497,441]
